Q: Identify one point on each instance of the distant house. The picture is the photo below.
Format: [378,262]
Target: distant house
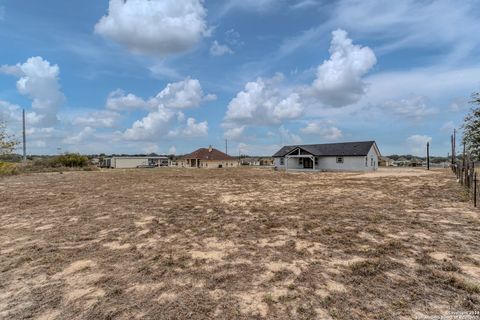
[262,161]
[265,161]
[347,156]
[404,162]
[385,162]
[126,162]
[207,158]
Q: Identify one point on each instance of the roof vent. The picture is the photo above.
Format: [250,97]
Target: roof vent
[210,148]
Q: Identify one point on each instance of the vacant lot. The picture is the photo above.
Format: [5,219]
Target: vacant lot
[237,243]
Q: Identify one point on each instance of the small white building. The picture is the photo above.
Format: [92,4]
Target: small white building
[346,156]
[135,162]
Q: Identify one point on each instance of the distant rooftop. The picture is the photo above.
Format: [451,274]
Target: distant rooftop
[208,154]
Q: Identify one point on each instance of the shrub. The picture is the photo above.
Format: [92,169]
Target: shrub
[7,168]
[71,160]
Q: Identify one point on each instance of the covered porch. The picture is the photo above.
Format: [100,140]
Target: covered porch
[193,163]
[302,162]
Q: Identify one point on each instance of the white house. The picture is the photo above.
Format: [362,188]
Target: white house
[135,162]
[346,156]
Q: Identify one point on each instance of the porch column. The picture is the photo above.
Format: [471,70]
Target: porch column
[313,160]
[286,163]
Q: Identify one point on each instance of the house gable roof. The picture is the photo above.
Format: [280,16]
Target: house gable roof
[297,149]
[360,148]
[206,154]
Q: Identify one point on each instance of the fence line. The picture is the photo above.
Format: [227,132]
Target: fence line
[467,176]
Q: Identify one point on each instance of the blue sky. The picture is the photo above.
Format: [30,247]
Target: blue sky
[167,76]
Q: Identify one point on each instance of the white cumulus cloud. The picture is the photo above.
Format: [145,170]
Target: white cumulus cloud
[448,127]
[153,125]
[235,133]
[38,80]
[288,137]
[151,148]
[218,49]
[81,136]
[181,95]
[338,80]
[322,130]
[262,102]
[10,112]
[184,94]
[415,108]
[98,119]
[119,101]
[192,129]
[157,27]
[165,119]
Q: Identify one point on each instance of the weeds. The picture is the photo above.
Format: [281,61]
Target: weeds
[205,244]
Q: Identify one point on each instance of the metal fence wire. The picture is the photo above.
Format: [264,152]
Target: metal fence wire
[466,174]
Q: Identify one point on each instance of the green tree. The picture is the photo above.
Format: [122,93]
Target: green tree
[7,142]
[471,128]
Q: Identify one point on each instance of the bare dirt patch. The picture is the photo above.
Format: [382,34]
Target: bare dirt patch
[236,243]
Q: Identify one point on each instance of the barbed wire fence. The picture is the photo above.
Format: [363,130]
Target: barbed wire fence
[466,170]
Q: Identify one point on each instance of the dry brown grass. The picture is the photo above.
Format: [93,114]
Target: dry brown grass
[236,243]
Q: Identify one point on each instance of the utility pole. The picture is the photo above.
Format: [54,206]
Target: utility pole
[428,155]
[226,146]
[454,154]
[451,142]
[24,138]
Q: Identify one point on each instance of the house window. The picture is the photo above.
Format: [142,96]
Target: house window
[300,160]
[339,159]
[316,161]
[366,161]
[282,161]
[371,162]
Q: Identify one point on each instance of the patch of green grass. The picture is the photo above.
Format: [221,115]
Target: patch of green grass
[268,298]
[463,284]
[454,280]
[7,168]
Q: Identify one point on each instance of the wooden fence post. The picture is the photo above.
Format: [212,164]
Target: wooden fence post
[428,155]
[475,189]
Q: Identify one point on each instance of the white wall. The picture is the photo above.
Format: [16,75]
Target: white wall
[125,163]
[349,164]
[292,163]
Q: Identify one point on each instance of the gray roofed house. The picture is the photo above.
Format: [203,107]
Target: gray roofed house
[345,156]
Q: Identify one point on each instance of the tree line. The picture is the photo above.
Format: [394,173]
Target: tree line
[471,129]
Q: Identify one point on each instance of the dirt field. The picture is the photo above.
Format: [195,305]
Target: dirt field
[237,244]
